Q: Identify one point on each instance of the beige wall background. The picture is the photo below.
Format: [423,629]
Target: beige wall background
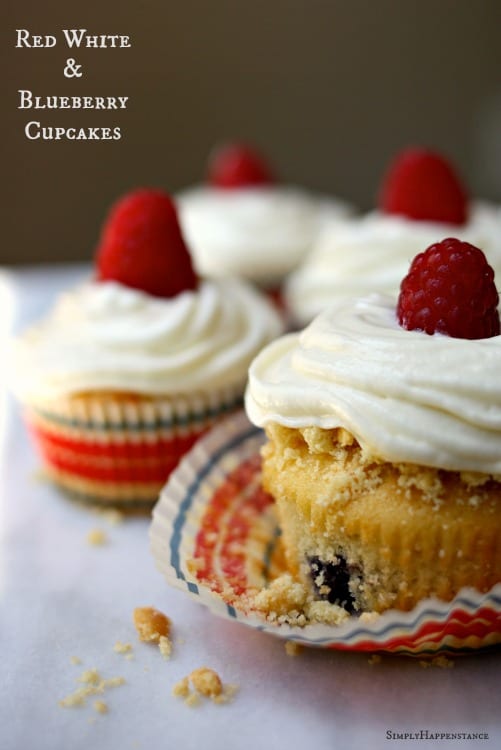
[329,89]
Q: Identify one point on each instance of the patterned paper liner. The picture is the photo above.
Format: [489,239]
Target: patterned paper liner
[214,510]
[119,449]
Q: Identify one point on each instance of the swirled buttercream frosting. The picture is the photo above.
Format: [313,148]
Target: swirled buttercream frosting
[373,254]
[406,396]
[107,336]
[258,233]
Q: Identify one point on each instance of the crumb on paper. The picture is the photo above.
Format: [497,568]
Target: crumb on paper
[101,707]
[293,648]
[122,648]
[90,677]
[75,660]
[442,662]
[96,538]
[151,624]
[191,700]
[165,646]
[182,688]
[206,683]
[374,659]
[91,684]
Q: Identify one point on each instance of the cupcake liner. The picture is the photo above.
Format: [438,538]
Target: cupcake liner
[215,536]
[119,449]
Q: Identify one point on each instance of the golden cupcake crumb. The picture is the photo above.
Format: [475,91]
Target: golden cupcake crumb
[438,661]
[293,648]
[374,659]
[93,684]
[122,648]
[75,660]
[96,538]
[206,683]
[165,646]
[90,677]
[151,624]
[287,601]
[101,707]
[182,688]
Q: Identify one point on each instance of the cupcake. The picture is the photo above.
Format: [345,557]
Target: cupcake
[421,199]
[383,427]
[131,367]
[242,222]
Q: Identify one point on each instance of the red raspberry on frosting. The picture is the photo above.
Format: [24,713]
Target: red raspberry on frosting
[450,289]
[422,185]
[235,165]
[141,246]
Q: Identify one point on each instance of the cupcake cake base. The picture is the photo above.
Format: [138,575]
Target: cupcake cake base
[369,535]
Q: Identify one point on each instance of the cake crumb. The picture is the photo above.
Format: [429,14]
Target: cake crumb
[101,707]
[182,688]
[93,684]
[90,677]
[288,602]
[229,692]
[293,648]
[151,624]
[374,659]
[192,700]
[206,683]
[165,646]
[96,538]
[369,617]
[442,662]
[75,660]
[122,648]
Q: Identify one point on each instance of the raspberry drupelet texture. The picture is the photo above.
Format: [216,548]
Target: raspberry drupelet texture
[450,290]
[236,165]
[141,246]
[421,185]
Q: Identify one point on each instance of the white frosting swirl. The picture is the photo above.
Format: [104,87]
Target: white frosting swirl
[406,396]
[373,254]
[257,233]
[108,336]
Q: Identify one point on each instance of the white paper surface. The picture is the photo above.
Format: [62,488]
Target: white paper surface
[61,597]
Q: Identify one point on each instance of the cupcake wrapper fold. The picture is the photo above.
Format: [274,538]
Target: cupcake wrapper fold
[119,449]
[215,536]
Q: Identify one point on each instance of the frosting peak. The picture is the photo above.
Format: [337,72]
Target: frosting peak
[107,336]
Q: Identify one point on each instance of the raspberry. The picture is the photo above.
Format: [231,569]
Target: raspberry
[141,246]
[421,184]
[450,289]
[235,165]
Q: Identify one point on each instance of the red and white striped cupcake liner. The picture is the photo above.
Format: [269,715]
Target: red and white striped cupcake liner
[213,511]
[118,450]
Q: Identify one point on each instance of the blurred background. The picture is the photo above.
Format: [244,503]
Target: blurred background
[328,89]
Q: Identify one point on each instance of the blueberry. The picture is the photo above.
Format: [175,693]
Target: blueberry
[332,581]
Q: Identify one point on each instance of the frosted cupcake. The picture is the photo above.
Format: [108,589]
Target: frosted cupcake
[384,438]
[130,368]
[243,223]
[421,199]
